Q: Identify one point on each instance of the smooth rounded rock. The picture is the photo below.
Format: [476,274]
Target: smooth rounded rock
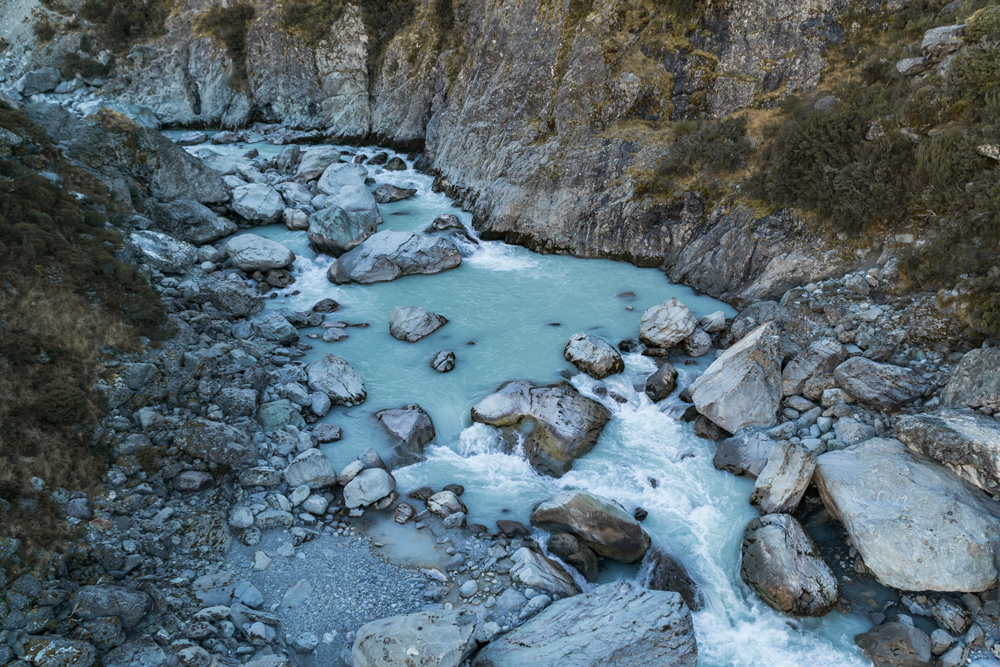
[250,253]
[594,356]
[599,523]
[410,323]
[666,324]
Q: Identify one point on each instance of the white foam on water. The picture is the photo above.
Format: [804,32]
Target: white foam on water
[498,256]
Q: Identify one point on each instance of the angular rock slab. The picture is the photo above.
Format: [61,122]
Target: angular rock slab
[535,570]
[782,564]
[896,645]
[311,467]
[975,382]
[164,253]
[662,383]
[822,356]
[337,379]
[565,425]
[614,625]
[783,481]
[59,652]
[917,526]
[258,201]
[336,231]
[411,323]
[743,386]
[600,523]
[92,602]
[968,443]
[594,356]
[389,255]
[666,324]
[423,639]
[744,454]
[369,486]
[883,386]
[410,424]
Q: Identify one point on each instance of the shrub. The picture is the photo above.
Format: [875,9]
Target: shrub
[706,149]
[123,23]
[984,24]
[443,12]
[228,26]
[975,72]
[75,64]
[45,30]
[60,403]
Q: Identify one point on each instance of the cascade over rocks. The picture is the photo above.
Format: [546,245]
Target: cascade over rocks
[663,573]
[743,386]
[782,564]
[599,523]
[917,526]
[624,624]
[594,356]
[966,442]
[389,255]
[666,324]
[565,425]
[410,323]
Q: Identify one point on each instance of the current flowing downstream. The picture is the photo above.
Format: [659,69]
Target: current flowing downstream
[511,313]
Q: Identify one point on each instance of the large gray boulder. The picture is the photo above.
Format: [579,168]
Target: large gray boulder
[232,298]
[190,220]
[411,323]
[975,382]
[45,651]
[916,525]
[623,626]
[437,638]
[258,202]
[41,80]
[666,324]
[662,572]
[566,425]
[574,553]
[743,386]
[410,424]
[336,231]
[311,467]
[599,523]
[782,564]
[355,199]
[340,174]
[217,443]
[896,645]
[270,325]
[388,255]
[337,379]
[386,193]
[968,443]
[821,357]
[315,161]
[883,386]
[250,253]
[744,454]
[662,383]
[536,571]
[784,479]
[594,356]
[93,602]
[162,252]
[368,487]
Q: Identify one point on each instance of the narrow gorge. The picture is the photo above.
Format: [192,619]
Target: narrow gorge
[453,333]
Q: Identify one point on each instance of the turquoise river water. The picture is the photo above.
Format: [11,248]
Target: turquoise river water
[506,300]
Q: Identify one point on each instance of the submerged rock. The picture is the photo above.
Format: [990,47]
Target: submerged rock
[563,424]
[624,626]
[966,442]
[337,379]
[666,324]
[594,356]
[743,386]
[411,323]
[436,638]
[336,231]
[600,523]
[389,255]
[782,564]
[917,526]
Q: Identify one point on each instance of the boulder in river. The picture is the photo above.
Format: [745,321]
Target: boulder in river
[388,255]
[697,344]
[662,572]
[250,253]
[445,503]
[386,193]
[594,356]
[340,174]
[600,523]
[713,322]
[162,252]
[563,424]
[315,161]
[624,626]
[662,383]
[666,324]
[434,638]
[443,361]
[821,357]
[411,323]
[410,424]
[336,231]
[395,164]
[743,386]
[368,487]
[968,443]
[355,199]
[782,564]
[917,525]
[535,570]
[896,645]
[574,553]
[444,222]
[883,386]
[783,481]
[258,202]
[744,453]
[975,382]
[337,379]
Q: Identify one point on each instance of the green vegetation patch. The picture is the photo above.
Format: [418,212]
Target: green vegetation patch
[121,24]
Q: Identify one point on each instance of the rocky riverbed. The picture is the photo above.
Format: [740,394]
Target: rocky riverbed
[225,534]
